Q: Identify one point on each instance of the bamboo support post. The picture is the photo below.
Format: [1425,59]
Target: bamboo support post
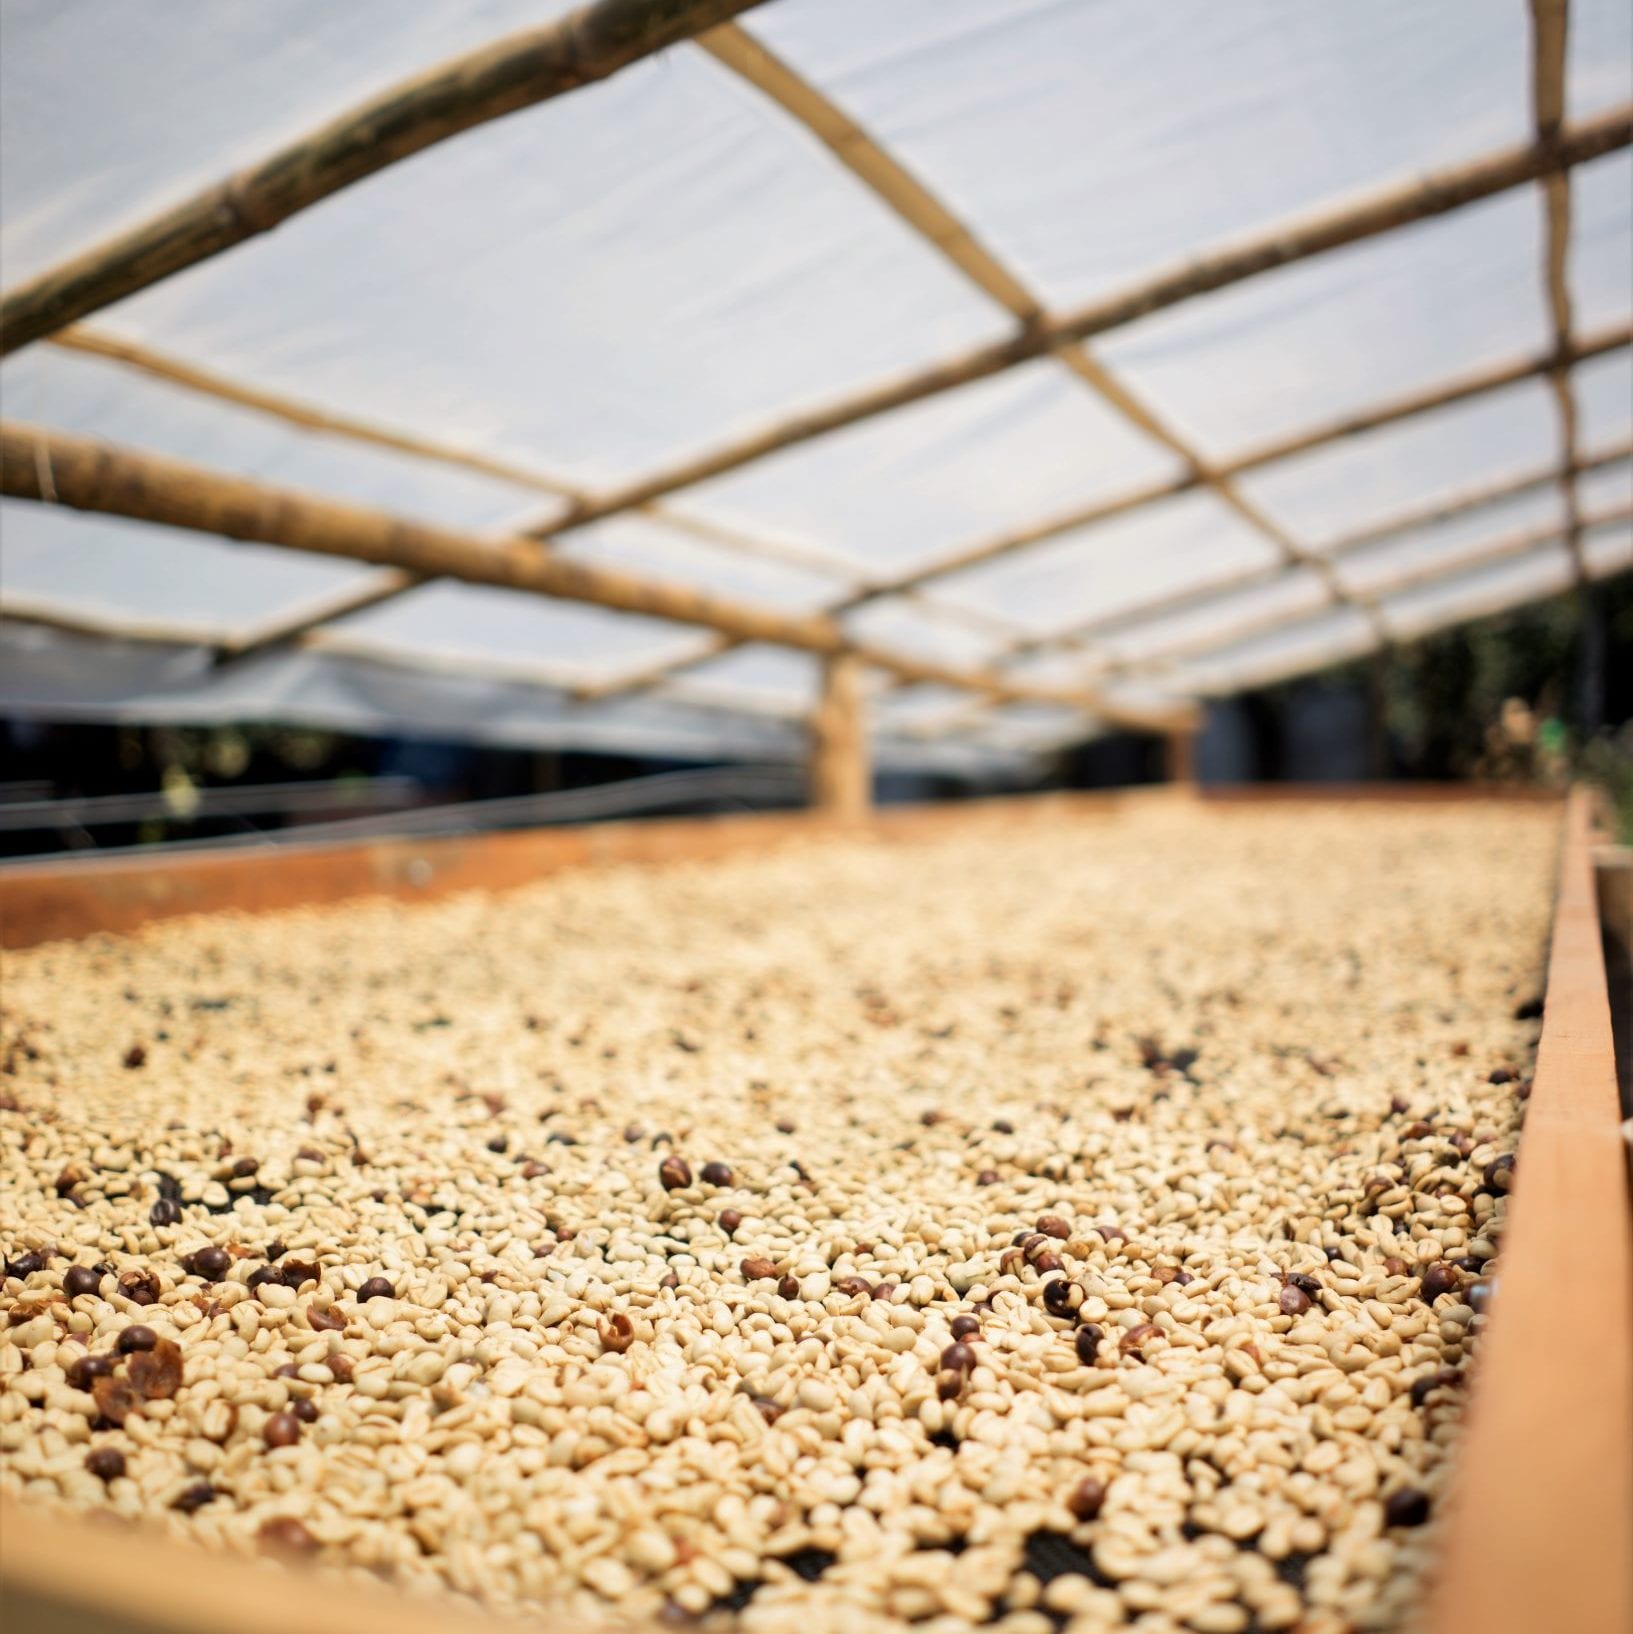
[54,467]
[1314,234]
[841,771]
[1179,760]
[1550,21]
[516,72]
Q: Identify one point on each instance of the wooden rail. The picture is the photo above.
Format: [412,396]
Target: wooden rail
[1540,1534]
[1540,1526]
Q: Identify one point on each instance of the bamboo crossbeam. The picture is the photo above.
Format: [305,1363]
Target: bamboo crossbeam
[510,74]
[92,342]
[1550,21]
[55,467]
[1425,400]
[1250,625]
[1306,236]
[1392,528]
[216,387]
[924,214]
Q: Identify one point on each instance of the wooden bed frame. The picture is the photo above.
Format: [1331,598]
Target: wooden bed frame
[1540,1532]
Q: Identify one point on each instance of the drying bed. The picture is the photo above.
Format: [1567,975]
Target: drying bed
[1054,1221]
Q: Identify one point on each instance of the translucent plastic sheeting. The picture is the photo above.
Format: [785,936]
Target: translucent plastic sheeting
[597,287]
[1291,593]
[107,568]
[1372,571]
[70,677]
[920,630]
[478,623]
[1364,481]
[904,490]
[1543,572]
[1313,643]
[1095,572]
[1604,399]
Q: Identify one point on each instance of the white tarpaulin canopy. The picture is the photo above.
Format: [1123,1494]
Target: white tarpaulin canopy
[560,309]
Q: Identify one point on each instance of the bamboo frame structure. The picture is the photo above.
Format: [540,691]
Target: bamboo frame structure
[1426,400]
[52,467]
[532,66]
[1488,554]
[1550,22]
[1393,528]
[1290,242]
[1413,578]
[512,73]
[924,214]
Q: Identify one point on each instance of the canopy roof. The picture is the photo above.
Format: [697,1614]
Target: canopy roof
[1074,361]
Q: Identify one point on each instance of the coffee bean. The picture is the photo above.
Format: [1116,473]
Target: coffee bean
[140,1287]
[728,1220]
[284,1535]
[194,1497]
[1406,1506]
[1086,1498]
[617,1333]
[1292,1301]
[1134,1341]
[376,1288]
[84,1370]
[81,1279]
[1439,1279]
[717,1174]
[105,1463]
[757,1268]
[165,1212]
[964,1326]
[958,1355]
[1087,1342]
[210,1263]
[281,1430]
[788,1287]
[674,1173]
[1051,1225]
[305,1409]
[135,1337]
[987,1177]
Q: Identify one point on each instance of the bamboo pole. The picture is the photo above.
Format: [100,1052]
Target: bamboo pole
[1461,389]
[52,466]
[1413,578]
[1447,394]
[924,214]
[1180,759]
[1434,514]
[841,777]
[1297,240]
[1550,20]
[503,77]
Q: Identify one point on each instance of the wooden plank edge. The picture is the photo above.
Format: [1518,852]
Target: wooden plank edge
[62,1573]
[1540,1518]
[47,901]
